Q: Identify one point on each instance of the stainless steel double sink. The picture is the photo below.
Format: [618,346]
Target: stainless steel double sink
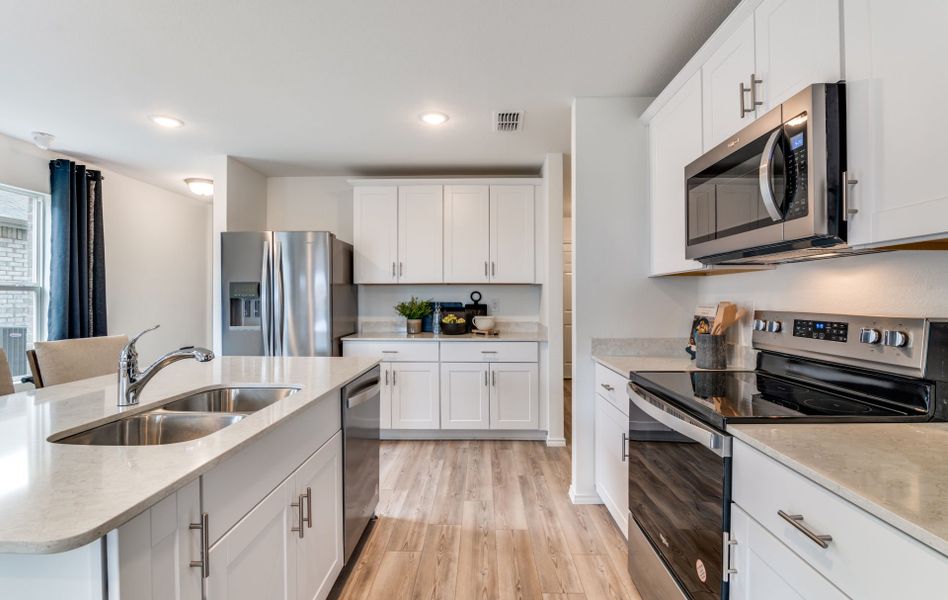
[182,419]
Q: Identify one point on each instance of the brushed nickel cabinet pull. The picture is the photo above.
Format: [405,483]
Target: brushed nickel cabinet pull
[204,564]
[493,378]
[309,508]
[386,376]
[485,379]
[298,505]
[493,268]
[607,387]
[753,90]
[401,270]
[820,540]
[393,268]
[625,452]
[848,212]
[485,268]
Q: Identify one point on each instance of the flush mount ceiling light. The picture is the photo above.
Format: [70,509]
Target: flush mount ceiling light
[433,118]
[42,139]
[166,121]
[200,187]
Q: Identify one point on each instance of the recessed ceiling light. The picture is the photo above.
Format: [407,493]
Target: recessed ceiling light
[42,139]
[433,118]
[200,187]
[166,121]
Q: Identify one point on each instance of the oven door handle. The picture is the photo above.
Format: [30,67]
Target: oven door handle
[763,173]
[679,422]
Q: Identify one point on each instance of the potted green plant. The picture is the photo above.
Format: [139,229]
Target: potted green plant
[414,310]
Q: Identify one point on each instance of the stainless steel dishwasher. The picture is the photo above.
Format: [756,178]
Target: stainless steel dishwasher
[360,436]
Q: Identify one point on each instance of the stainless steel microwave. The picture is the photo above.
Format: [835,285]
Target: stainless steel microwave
[773,192]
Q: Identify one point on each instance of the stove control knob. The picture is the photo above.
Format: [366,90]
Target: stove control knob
[869,336]
[760,325]
[891,337]
[774,326]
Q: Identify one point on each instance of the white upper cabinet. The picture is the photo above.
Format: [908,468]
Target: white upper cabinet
[726,83]
[375,234]
[797,44]
[512,224]
[466,234]
[674,141]
[420,215]
[896,97]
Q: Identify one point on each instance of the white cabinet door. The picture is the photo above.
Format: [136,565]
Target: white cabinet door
[721,77]
[896,97]
[512,225]
[612,469]
[674,141]
[466,233]
[149,557]
[415,403]
[257,557]
[420,223]
[318,486]
[514,397]
[768,569]
[375,234]
[385,397]
[797,44]
[465,396]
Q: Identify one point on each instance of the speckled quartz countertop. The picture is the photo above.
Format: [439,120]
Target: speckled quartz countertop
[401,336]
[895,471]
[623,365]
[56,497]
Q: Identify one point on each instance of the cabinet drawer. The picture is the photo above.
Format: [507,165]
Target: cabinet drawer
[489,352]
[235,486]
[612,386]
[866,557]
[393,351]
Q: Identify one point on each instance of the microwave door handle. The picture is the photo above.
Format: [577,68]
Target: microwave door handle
[763,173]
[679,422]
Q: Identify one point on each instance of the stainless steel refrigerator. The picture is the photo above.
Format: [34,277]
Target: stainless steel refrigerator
[286,293]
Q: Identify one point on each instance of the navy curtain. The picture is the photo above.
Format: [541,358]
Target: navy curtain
[77,252]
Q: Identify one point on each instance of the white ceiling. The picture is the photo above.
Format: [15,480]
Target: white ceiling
[329,87]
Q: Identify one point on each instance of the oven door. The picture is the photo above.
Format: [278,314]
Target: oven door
[679,493]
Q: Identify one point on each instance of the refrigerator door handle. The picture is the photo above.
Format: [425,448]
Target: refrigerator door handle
[266,325]
[279,301]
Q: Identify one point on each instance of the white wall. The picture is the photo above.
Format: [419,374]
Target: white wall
[550,274]
[612,294]
[156,250]
[310,203]
[909,283]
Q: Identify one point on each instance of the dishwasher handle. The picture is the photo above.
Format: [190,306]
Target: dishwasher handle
[364,395]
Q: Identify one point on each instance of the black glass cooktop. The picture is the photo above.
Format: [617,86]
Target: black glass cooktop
[722,397]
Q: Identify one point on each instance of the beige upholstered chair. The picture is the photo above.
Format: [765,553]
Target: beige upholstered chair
[6,378]
[53,363]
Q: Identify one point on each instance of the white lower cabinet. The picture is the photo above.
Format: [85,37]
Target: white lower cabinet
[514,397]
[149,557]
[465,396]
[765,568]
[290,545]
[415,396]
[612,468]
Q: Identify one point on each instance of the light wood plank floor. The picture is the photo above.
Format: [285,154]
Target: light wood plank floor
[485,520]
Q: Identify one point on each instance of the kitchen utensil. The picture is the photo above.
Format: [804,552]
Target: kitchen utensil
[725,317]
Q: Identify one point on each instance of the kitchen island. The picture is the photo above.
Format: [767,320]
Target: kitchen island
[91,514]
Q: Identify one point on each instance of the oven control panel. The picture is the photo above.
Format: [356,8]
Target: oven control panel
[891,344]
[831,331]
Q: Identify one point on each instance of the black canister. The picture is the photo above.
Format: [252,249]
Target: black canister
[711,350]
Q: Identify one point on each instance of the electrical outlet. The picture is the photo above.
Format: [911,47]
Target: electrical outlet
[494,306]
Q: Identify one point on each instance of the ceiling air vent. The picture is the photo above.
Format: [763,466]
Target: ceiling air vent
[508,121]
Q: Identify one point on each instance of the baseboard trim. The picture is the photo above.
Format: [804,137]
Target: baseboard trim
[556,442]
[584,498]
[463,434]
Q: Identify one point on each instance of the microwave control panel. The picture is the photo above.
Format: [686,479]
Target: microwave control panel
[795,131]
[831,331]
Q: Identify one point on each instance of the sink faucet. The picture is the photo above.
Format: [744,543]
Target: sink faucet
[131,380]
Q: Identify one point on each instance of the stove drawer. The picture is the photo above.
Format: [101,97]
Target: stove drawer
[866,557]
[612,386]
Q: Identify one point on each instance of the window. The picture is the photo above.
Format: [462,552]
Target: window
[22,274]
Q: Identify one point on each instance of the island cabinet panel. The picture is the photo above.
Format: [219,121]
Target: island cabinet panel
[78,575]
[257,558]
[149,558]
[235,486]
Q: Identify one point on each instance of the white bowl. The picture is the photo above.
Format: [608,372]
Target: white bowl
[483,322]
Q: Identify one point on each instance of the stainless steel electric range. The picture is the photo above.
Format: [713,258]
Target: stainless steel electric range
[811,368]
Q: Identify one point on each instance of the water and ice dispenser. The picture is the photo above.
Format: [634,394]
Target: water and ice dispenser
[245,304]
